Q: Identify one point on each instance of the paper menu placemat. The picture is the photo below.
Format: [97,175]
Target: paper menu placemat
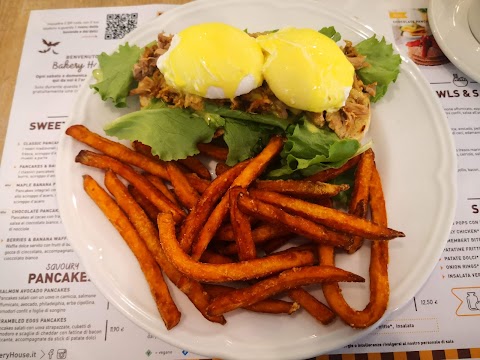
[49,307]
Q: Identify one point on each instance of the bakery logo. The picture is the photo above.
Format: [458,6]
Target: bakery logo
[469,301]
[459,81]
[49,46]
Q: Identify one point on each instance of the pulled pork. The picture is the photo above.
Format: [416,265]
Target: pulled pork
[351,121]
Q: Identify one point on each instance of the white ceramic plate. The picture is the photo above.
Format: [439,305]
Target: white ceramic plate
[415,156]
[449,24]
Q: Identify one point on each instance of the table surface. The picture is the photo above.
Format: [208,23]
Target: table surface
[14,19]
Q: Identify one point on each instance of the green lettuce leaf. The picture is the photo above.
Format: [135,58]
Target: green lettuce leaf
[309,149]
[115,76]
[215,121]
[384,64]
[241,115]
[155,103]
[244,140]
[172,133]
[331,33]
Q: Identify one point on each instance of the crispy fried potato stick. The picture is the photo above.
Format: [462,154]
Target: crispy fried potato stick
[274,244]
[330,174]
[221,167]
[270,306]
[244,270]
[160,185]
[227,250]
[145,150]
[217,152]
[301,188]
[359,199]
[314,307]
[241,227]
[187,195]
[267,245]
[296,224]
[116,150]
[165,304]
[260,234]
[89,158]
[149,234]
[286,280]
[196,166]
[329,217]
[199,184]
[201,211]
[150,209]
[215,258]
[379,284]
[254,168]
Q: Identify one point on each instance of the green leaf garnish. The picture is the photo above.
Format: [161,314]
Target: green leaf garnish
[115,76]
[384,65]
[309,149]
[331,33]
[172,133]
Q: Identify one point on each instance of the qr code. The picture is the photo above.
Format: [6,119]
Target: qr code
[119,25]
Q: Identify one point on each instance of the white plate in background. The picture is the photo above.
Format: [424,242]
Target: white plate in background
[449,24]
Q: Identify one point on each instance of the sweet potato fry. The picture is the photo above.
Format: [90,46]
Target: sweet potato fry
[260,234]
[150,209]
[241,227]
[230,249]
[215,258]
[268,245]
[89,158]
[273,245]
[165,304]
[244,270]
[301,188]
[286,280]
[359,199]
[225,233]
[329,217]
[330,174]
[255,167]
[296,224]
[220,168]
[378,272]
[117,150]
[199,184]
[145,150]
[196,166]
[314,307]
[201,211]
[149,234]
[270,306]
[186,194]
[217,152]
[160,185]
[210,228]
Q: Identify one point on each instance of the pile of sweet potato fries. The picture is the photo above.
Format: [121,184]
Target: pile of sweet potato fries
[225,242]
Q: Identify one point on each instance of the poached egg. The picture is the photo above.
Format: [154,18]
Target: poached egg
[213,60]
[306,69]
